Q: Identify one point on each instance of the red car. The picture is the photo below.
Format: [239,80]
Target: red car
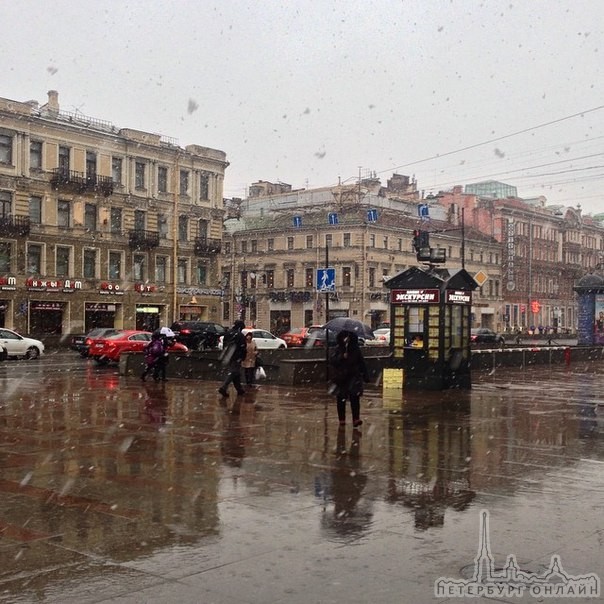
[295,337]
[109,349]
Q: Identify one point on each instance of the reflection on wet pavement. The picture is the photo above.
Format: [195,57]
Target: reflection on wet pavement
[115,490]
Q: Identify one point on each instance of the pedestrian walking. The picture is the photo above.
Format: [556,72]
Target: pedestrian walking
[154,352]
[249,362]
[234,348]
[348,372]
[168,337]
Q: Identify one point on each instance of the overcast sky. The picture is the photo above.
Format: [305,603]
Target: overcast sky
[309,92]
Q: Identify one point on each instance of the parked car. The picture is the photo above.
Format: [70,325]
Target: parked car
[81,342]
[108,350]
[19,346]
[316,337]
[295,337]
[198,335]
[265,340]
[382,337]
[480,335]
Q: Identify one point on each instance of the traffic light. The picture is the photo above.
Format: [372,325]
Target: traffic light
[421,240]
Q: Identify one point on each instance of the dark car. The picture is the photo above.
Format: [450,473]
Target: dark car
[198,335]
[484,335]
[315,337]
[81,343]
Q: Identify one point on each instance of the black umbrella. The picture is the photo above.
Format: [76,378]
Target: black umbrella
[347,324]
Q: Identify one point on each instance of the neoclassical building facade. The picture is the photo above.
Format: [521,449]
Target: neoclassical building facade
[104,226]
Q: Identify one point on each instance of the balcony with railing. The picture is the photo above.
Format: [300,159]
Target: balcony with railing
[207,247]
[15,226]
[139,239]
[79,182]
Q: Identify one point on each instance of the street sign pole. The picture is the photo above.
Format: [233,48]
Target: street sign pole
[326,318]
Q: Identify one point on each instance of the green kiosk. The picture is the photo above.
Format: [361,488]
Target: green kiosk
[430,314]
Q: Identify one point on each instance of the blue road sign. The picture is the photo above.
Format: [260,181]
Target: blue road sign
[423,211]
[333,218]
[326,280]
[297,221]
[371,215]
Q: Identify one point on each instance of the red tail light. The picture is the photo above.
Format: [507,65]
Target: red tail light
[185,331]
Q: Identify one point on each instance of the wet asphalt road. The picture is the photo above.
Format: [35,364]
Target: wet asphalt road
[117,491]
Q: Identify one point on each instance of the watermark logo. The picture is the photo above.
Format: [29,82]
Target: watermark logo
[512,581]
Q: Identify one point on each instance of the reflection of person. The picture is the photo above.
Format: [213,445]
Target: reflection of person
[600,322]
[347,485]
[348,372]
[232,355]
[156,404]
[249,362]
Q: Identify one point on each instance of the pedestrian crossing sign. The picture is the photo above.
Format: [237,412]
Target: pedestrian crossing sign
[326,280]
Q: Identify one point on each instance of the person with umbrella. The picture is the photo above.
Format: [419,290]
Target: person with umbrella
[348,372]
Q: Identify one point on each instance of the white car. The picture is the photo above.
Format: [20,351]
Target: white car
[265,339]
[20,346]
[382,337]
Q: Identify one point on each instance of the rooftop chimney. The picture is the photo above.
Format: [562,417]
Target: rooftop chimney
[53,102]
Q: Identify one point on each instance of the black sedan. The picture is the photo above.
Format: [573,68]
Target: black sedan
[484,335]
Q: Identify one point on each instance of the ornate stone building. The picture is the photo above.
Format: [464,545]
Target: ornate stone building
[273,252]
[101,226]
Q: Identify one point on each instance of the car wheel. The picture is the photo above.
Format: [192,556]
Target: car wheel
[281,347]
[3,355]
[32,353]
[101,360]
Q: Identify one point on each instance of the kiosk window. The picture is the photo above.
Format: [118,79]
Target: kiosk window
[416,320]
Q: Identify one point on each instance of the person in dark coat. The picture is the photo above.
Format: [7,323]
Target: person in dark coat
[154,355]
[348,372]
[233,352]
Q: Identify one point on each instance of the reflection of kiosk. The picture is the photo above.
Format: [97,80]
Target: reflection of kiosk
[430,327]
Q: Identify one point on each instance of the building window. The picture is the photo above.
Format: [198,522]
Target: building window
[116,170]
[371,240]
[227,247]
[34,259]
[161,269]
[35,155]
[115,265]
[162,225]
[139,175]
[139,220]
[89,264]
[202,228]
[310,277]
[182,271]
[6,149]
[400,245]
[290,243]
[289,274]
[270,244]
[309,242]
[6,204]
[244,247]
[328,240]
[346,276]
[183,228]
[385,242]
[253,280]
[346,239]
[64,163]
[5,258]
[202,273]
[64,213]
[254,245]
[184,182]
[371,277]
[204,186]
[226,279]
[116,220]
[35,209]
[226,311]
[162,179]
[138,265]
[63,255]
[270,279]
[90,165]
[90,217]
